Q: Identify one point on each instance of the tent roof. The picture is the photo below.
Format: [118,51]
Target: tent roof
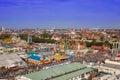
[59,72]
[10,59]
[32,52]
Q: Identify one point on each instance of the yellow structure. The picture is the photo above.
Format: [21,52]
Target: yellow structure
[8,40]
[58,57]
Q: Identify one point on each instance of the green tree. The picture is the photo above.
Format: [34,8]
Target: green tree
[23,36]
[46,35]
[4,36]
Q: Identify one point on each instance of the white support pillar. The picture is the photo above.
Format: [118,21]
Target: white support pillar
[119,46]
[115,48]
[113,44]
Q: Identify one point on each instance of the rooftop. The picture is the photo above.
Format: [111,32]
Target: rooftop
[60,72]
[111,65]
[10,59]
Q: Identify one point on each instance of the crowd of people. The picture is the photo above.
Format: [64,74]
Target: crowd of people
[90,57]
[97,57]
[10,74]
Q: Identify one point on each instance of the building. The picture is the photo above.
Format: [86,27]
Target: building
[11,60]
[56,37]
[72,71]
[112,67]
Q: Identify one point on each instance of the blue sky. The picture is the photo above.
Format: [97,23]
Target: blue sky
[60,13]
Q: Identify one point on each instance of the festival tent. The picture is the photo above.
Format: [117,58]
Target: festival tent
[32,52]
[10,60]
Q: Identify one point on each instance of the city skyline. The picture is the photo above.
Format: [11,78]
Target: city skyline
[60,13]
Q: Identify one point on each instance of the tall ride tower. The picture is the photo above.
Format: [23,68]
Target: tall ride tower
[29,39]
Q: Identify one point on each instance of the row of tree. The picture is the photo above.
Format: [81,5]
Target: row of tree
[37,39]
[4,36]
[46,39]
[95,43]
